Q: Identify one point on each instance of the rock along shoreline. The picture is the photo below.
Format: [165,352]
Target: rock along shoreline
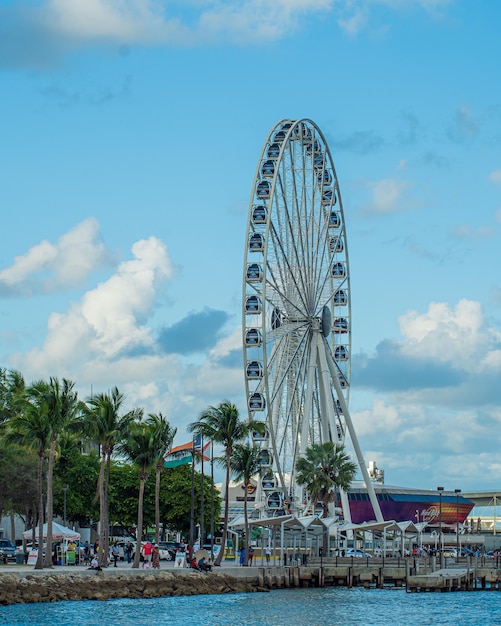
[53,587]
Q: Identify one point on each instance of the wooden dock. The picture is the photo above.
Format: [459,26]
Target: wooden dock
[412,574]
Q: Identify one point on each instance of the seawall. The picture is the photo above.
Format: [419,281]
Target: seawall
[55,586]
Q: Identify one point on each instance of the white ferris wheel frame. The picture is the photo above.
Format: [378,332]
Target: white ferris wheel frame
[296,313]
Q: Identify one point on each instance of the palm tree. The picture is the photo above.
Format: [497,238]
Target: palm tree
[106,426]
[31,428]
[222,425]
[62,406]
[164,435]
[12,388]
[141,448]
[325,468]
[245,463]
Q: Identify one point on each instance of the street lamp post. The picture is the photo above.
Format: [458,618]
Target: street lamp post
[440,539]
[457,492]
[65,489]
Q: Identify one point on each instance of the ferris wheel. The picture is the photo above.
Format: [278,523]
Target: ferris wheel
[297,310]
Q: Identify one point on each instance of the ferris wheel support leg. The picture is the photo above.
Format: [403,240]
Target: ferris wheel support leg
[345,505]
[358,451]
[309,395]
[328,411]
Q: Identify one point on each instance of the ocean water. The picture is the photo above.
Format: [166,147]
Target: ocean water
[284,607]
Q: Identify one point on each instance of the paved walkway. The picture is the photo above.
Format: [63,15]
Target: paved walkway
[228,567]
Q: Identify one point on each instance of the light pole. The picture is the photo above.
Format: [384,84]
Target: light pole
[457,492]
[440,541]
[65,489]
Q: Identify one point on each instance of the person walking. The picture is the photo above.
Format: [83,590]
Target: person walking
[128,551]
[155,557]
[147,550]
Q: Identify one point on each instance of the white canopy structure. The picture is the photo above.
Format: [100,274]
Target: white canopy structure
[59,533]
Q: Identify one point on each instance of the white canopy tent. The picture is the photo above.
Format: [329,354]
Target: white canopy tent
[59,533]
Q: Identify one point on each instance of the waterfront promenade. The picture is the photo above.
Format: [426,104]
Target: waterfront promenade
[412,573]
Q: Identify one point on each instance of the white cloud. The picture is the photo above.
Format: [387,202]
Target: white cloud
[105,340]
[458,336]
[145,21]
[356,16]
[227,344]
[130,21]
[110,318]
[354,23]
[40,35]
[476,234]
[381,416]
[495,177]
[49,267]
[387,196]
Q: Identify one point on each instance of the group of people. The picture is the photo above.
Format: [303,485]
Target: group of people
[249,558]
[150,553]
[202,565]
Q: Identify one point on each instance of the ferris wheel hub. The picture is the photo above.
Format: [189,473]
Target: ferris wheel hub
[326,321]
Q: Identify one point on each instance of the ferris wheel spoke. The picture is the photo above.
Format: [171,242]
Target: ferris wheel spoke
[285,284]
[287,402]
[286,248]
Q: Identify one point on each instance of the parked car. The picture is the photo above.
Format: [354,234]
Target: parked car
[351,552]
[449,552]
[7,550]
[172,547]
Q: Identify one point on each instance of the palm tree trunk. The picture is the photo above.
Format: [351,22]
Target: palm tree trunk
[226,509]
[325,539]
[101,506]
[105,526]
[50,503]
[246,525]
[39,563]
[157,501]
[139,523]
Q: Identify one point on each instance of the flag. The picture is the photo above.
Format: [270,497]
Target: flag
[183,454]
[180,455]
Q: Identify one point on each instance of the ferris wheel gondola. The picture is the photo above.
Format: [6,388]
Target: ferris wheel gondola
[297,305]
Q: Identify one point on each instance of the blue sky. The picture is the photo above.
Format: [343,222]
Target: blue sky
[130,132]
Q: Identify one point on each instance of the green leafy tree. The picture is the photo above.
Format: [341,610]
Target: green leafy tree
[164,434]
[223,426]
[106,425]
[18,480]
[80,473]
[175,498]
[245,463]
[123,497]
